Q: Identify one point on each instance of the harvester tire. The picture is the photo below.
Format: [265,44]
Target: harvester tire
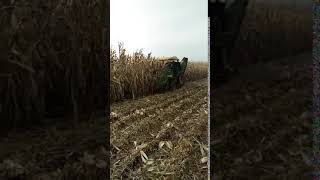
[169,85]
[180,81]
[174,84]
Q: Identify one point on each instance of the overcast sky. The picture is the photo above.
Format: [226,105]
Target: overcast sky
[163,27]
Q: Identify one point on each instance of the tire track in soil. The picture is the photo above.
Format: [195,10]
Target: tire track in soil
[179,107]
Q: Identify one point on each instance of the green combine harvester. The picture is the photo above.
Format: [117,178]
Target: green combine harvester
[171,77]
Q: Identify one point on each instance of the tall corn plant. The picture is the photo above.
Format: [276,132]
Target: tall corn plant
[52,59]
[270,32]
[134,75]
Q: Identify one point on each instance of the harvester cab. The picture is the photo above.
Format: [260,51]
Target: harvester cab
[171,76]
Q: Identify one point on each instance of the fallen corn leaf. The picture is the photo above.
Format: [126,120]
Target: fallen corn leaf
[169,144]
[144,157]
[204,160]
[161,143]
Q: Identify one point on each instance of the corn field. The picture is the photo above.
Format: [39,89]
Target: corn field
[134,75]
[270,32]
[52,59]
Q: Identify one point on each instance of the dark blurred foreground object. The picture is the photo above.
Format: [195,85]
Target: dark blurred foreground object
[52,60]
[225,20]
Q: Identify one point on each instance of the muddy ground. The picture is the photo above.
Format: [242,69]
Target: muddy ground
[161,136]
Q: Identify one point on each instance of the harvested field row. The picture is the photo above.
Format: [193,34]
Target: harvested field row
[161,136]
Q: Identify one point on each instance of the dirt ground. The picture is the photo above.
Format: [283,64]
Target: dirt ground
[162,136]
[262,130]
[263,121]
[56,152]
[262,127]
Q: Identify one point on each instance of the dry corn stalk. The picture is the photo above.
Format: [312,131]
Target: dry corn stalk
[134,75]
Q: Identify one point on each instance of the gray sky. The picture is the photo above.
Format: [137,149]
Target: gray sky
[163,27]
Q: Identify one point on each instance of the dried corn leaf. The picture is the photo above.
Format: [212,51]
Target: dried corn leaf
[144,157]
[161,143]
[169,144]
[204,160]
